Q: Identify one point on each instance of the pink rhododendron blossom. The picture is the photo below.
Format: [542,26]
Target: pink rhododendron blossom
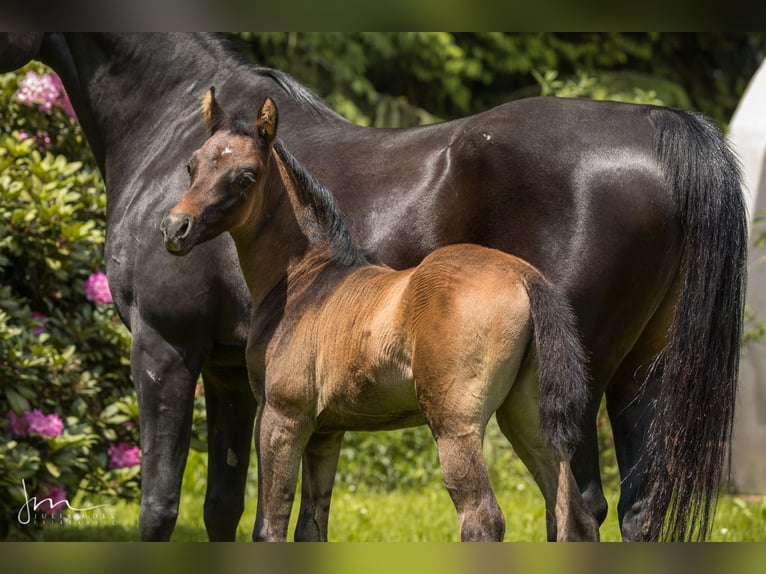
[48,426]
[42,138]
[97,288]
[18,425]
[43,91]
[42,322]
[123,455]
[51,499]
[38,89]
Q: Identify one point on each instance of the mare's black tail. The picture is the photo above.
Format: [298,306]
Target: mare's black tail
[696,375]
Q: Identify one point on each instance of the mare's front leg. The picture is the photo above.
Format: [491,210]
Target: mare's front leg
[165,385]
[320,462]
[280,441]
[230,409]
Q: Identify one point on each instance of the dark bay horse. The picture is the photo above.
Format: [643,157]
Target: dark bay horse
[337,343]
[634,211]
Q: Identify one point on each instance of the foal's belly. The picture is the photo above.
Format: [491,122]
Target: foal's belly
[386,402]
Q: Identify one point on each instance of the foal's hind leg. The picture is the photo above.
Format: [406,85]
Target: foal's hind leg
[457,409]
[320,461]
[567,518]
[466,478]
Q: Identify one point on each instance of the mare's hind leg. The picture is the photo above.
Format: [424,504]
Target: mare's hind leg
[567,517]
[320,461]
[628,405]
[230,413]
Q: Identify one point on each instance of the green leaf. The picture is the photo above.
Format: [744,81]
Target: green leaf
[18,403]
[52,469]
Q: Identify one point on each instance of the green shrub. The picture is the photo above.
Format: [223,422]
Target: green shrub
[68,413]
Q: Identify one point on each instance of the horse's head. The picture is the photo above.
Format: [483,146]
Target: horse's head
[17,49]
[227,173]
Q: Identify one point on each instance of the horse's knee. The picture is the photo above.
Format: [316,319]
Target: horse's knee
[157,519]
[485,523]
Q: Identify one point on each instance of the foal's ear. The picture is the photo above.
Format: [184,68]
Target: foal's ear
[212,112]
[266,125]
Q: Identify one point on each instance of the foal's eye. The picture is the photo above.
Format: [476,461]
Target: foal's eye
[189,168]
[245,180]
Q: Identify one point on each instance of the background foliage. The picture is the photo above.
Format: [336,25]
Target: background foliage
[66,355]
[62,348]
[407,78]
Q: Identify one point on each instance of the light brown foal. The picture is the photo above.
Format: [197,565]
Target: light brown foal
[338,343]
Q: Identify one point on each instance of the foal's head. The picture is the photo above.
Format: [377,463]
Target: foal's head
[227,173]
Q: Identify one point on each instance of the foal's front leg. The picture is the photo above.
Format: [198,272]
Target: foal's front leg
[320,461]
[280,441]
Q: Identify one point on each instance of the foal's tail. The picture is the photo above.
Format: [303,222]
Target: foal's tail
[696,376]
[562,366]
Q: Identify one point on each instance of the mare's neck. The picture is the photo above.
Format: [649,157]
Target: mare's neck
[127,88]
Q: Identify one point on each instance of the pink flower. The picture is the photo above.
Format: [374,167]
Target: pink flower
[43,91]
[51,499]
[123,455]
[49,426]
[42,322]
[97,288]
[42,138]
[18,425]
[38,89]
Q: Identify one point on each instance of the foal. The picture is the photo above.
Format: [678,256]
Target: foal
[338,343]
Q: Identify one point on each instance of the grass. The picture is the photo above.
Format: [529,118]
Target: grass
[365,514]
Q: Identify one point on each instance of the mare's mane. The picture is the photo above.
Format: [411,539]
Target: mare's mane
[308,100]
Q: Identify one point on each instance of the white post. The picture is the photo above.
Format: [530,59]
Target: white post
[748,137]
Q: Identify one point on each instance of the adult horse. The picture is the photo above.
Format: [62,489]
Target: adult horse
[634,211]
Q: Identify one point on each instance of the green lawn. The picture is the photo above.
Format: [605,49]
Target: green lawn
[410,515]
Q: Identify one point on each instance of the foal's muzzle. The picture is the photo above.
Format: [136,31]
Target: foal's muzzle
[176,231]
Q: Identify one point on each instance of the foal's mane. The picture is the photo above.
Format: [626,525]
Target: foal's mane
[326,219]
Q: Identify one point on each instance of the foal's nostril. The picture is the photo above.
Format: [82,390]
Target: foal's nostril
[183,229]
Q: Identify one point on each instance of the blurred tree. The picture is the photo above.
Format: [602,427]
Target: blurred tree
[409,78]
